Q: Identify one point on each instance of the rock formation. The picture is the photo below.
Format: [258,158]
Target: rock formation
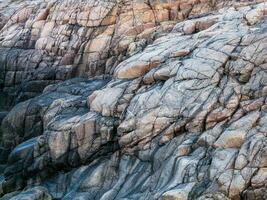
[129,99]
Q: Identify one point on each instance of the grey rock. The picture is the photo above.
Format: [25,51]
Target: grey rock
[176,110]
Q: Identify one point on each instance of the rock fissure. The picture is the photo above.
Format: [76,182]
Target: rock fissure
[172,103]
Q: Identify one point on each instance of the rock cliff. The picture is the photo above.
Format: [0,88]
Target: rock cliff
[130,99]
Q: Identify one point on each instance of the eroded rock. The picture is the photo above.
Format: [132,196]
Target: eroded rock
[176,108]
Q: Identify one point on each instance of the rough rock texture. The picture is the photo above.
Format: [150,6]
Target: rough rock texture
[172,104]
[44,42]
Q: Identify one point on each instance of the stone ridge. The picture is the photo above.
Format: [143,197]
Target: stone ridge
[173,108]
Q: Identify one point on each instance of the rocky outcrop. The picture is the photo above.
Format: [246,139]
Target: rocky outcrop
[36,193]
[44,42]
[32,117]
[172,103]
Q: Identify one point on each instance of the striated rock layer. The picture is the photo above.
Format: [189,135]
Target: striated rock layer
[169,100]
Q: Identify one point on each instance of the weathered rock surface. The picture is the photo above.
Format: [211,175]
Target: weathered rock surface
[33,117]
[44,42]
[36,193]
[172,104]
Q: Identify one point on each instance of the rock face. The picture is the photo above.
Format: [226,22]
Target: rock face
[44,42]
[169,100]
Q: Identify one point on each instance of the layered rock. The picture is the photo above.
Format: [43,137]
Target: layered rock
[182,116]
[33,117]
[44,42]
